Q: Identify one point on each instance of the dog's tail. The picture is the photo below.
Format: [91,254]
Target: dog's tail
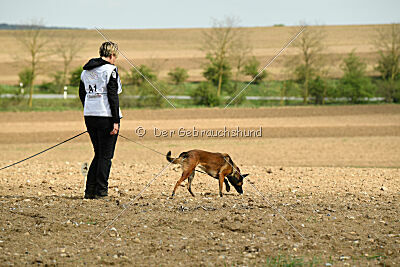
[177,160]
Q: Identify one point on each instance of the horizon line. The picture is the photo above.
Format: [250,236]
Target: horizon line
[277,25]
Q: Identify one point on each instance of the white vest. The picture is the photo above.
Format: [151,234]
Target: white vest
[95,81]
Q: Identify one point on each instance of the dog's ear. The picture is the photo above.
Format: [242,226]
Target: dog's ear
[245,175]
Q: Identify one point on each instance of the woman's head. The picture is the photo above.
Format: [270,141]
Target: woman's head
[109,50]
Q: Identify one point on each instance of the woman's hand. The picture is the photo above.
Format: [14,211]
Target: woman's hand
[115,130]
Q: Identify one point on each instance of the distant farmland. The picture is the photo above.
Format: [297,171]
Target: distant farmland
[164,49]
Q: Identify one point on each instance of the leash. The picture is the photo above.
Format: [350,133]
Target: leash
[158,152]
[142,145]
[69,139]
[47,149]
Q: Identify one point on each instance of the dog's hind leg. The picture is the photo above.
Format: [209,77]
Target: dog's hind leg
[184,176]
[189,185]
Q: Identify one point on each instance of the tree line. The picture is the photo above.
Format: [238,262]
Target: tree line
[230,62]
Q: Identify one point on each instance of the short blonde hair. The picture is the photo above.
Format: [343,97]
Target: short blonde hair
[107,49]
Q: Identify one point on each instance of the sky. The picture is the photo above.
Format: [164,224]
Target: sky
[144,14]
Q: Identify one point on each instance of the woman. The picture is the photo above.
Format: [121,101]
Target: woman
[98,90]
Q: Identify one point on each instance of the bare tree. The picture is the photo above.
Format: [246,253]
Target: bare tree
[308,62]
[67,48]
[220,43]
[241,51]
[388,44]
[34,40]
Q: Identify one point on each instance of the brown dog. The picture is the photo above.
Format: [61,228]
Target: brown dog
[217,165]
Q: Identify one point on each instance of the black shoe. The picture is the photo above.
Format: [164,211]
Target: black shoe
[89,196]
[101,196]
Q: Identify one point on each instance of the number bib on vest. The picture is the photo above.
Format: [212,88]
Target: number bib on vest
[95,81]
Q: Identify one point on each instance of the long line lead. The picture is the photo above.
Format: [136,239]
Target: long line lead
[47,149]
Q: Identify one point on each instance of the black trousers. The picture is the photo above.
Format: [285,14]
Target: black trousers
[99,129]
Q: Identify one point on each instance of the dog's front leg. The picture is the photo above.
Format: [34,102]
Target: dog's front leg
[221,183]
[227,186]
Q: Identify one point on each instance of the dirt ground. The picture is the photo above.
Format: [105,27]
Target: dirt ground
[323,189]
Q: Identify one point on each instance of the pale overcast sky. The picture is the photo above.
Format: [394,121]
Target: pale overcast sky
[125,14]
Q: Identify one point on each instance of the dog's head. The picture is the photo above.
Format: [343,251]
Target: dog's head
[236,179]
